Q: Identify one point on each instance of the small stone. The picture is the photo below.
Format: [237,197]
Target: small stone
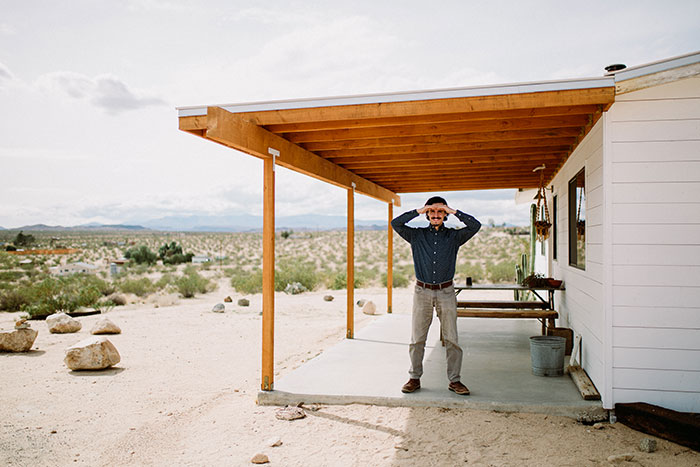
[618,458]
[22,323]
[61,323]
[228,299]
[328,298]
[260,458]
[274,442]
[361,302]
[647,445]
[105,326]
[598,426]
[370,308]
[17,340]
[219,308]
[93,353]
[290,413]
[243,302]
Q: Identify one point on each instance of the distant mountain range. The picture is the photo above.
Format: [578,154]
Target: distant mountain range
[237,223]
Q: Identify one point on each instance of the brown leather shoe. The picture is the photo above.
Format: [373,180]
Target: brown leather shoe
[458,388]
[412,386]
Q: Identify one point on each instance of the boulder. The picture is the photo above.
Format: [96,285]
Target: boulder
[260,458]
[370,308]
[243,302]
[61,323]
[105,326]
[228,299]
[93,353]
[328,298]
[219,308]
[17,340]
[294,288]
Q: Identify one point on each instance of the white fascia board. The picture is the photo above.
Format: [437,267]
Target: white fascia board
[451,93]
[656,67]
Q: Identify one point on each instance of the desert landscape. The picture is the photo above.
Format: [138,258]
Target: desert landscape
[184,392]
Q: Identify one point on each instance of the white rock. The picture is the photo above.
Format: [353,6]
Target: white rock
[105,326]
[93,353]
[61,323]
[370,308]
[17,340]
[219,308]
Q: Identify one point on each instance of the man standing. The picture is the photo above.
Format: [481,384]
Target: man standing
[434,256]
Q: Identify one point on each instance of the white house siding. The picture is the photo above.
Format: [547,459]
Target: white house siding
[654,144]
[581,306]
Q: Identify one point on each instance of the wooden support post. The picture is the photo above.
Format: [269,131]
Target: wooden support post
[268,316]
[351,263]
[390,261]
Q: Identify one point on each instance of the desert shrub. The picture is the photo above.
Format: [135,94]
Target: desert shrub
[13,299]
[171,253]
[52,295]
[140,255]
[291,271]
[340,281]
[500,272]
[22,240]
[192,283]
[247,282]
[10,276]
[140,287]
[398,279]
[165,280]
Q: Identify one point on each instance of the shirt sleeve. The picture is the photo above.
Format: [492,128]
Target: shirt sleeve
[471,227]
[399,224]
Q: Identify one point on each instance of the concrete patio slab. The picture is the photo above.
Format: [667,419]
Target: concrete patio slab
[371,369]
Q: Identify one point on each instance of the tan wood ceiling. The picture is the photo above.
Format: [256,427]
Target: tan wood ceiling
[435,145]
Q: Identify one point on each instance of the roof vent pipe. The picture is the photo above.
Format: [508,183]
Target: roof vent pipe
[615,67]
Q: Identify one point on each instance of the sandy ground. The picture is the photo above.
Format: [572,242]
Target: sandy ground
[185,391]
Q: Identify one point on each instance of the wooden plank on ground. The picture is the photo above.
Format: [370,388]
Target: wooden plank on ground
[680,427]
[583,383]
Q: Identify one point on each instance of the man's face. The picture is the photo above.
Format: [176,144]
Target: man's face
[436,215]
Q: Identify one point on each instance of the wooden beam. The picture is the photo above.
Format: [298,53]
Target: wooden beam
[429,148]
[473,162]
[572,97]
[351,266]
[449,128]
[444,139]
[268,316]
[430,118]
[476,155]
[235,131]
[390,260]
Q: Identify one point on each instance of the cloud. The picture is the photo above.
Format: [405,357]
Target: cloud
[106,92]
[5,75]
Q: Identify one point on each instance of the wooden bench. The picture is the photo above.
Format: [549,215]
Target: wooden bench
[537,305]
[547,317]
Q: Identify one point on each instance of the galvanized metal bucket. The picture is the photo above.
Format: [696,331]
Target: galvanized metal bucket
[547,355]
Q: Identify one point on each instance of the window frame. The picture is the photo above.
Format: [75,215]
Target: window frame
[574,195]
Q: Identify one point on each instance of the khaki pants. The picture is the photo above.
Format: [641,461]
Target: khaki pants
[445,304]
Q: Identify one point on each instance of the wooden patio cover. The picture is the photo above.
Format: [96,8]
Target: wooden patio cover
[385,144]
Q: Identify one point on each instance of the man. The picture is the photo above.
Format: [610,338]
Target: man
[434,256]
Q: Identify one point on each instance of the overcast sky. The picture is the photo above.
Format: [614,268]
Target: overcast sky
[88,89]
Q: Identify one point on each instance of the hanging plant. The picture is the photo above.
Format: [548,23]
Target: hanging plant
[542,223]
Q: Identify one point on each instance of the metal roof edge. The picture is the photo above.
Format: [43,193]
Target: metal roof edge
[656,67]
[448,93]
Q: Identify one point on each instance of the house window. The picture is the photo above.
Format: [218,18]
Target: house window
[577,220]
[554,227]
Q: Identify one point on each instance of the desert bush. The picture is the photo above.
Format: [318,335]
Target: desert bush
[52,295]
[291,271]
[171,253]
[140,287]
[247,282]
[192,283]
[398,279]
[340,281]
[10,276]
[500,272]
[141,254]
[165,280]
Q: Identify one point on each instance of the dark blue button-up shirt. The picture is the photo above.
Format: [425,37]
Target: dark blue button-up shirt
[435,250]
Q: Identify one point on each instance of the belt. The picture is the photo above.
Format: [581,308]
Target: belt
[444,285]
